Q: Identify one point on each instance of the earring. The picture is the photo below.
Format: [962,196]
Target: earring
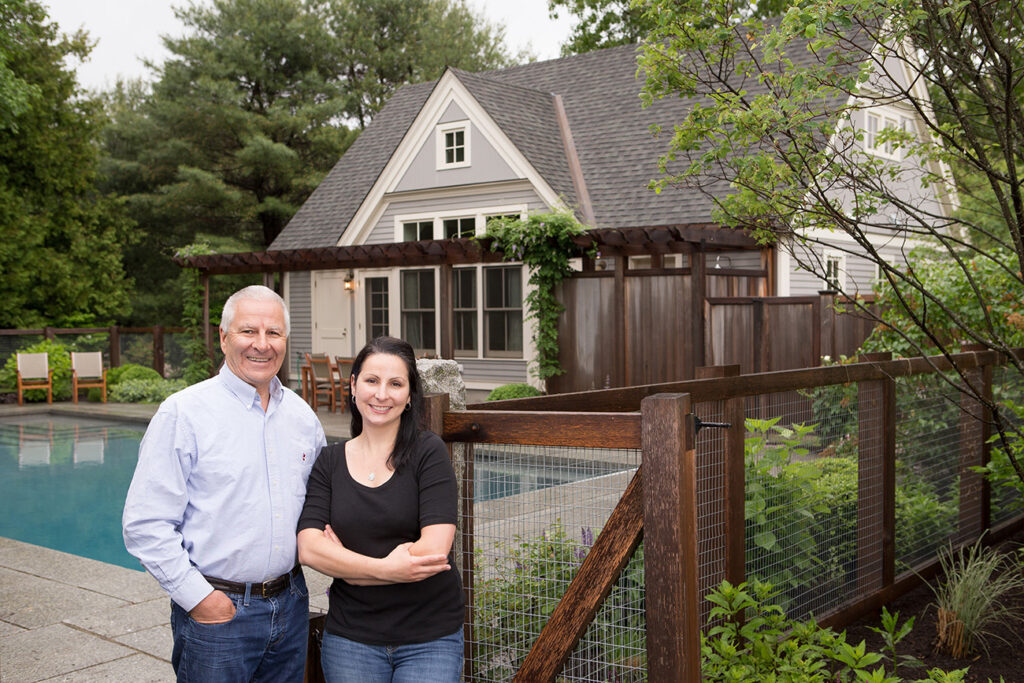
[407,406]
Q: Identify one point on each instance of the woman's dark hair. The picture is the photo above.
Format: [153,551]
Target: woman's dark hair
[409,426]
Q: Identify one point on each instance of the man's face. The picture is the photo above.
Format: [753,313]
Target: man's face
[254,345]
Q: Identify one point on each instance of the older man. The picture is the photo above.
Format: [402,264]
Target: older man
[213,506]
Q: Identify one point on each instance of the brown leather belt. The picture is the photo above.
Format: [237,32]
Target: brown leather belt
[267,589]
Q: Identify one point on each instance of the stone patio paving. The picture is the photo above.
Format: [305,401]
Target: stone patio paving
[70,618]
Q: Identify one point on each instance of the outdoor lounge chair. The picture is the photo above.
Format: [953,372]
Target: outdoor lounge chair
[322,376]
[87,371]
[34,373]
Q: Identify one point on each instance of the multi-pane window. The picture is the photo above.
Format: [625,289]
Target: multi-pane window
[833,272]
[875,124]
[413,231]
[459,227]
[418,310]
[464,308]
[455,146]
[377,323]
[503,311]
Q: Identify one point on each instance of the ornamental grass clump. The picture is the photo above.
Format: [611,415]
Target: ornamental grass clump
[972,599]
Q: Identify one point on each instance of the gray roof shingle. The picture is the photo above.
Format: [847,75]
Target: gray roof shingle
[611,130]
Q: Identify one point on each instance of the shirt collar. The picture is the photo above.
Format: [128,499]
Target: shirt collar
[246,392]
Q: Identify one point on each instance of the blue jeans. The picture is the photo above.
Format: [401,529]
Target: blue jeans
[436,661]
[265,641]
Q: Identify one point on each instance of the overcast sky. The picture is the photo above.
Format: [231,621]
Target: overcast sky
[130,30]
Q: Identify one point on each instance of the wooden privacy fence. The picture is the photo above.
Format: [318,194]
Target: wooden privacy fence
[631,327]
[666,502]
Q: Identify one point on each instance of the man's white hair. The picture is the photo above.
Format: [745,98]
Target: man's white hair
[252,293]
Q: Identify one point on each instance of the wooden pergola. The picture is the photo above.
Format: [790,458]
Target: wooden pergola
[617,243]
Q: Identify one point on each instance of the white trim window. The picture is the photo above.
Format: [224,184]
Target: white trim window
[877,121]
[413,231]
[453,148]
[503,311]
[835,271]
[419,311]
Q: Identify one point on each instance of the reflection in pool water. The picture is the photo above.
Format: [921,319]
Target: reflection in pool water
[63,482]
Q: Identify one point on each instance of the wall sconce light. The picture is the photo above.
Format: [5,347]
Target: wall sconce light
[350,282]
[718,262]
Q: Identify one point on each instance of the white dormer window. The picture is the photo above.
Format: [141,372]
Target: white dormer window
[875,122]
[453,145]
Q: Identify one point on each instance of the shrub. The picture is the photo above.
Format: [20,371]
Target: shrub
[130,371]
[515,390]
[60,362]
[145,390]
[970,598]
[754,641]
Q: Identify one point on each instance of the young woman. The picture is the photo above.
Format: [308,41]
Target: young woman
[380,518]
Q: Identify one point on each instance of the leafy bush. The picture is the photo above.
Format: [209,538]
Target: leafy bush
[780,506]
[59,361]
[514,390]
[130,371]
[754,641]
[145,390]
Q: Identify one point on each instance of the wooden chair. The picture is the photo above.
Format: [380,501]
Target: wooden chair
[34,373]
[344,367]
[322,380]
[87,371]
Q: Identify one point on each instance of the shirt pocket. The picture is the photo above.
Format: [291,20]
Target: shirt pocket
[300,461]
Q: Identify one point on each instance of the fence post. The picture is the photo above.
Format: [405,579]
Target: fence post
[115,346]
[975,430]
[876,480]
[758,336]
[670,539]
[158,349]
[48,333]
[204,278]
[733,495]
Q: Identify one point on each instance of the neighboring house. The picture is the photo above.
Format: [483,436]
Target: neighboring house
[442,158]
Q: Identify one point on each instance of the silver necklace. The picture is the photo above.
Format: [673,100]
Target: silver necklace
[372,476]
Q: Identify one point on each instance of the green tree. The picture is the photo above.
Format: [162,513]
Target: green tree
[383,44]
[773,139]
[60,238]
[607,23]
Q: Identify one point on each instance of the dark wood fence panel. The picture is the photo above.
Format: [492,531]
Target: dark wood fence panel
[658,314]
[729,331]
[589,349]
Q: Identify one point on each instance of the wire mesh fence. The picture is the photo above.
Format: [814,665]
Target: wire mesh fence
[844,486]
[536,513]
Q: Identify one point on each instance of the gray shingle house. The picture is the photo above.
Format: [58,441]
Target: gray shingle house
[442,158]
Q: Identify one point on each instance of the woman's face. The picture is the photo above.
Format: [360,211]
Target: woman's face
[381,389]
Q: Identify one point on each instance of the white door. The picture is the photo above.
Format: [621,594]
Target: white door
[332,314]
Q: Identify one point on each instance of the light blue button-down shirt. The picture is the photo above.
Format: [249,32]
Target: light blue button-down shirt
[219,486]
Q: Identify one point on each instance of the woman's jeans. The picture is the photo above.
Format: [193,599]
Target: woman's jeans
[265,641]
[436,661]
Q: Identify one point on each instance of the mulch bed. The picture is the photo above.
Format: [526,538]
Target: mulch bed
[1002,658]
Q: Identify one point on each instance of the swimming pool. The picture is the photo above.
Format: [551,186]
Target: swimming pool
[63,482]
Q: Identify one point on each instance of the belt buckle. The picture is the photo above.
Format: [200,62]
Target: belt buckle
[263,590]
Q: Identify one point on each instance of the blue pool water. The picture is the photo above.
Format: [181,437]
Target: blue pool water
[63,482]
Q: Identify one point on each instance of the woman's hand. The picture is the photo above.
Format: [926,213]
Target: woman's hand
[324,551]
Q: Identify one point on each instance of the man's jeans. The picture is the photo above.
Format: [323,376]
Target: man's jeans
[265,641]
